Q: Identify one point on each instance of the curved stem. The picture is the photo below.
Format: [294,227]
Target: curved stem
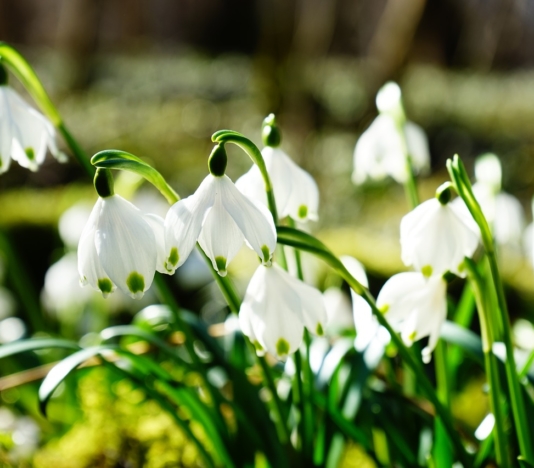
[308,243]
[229,136]
[463,186]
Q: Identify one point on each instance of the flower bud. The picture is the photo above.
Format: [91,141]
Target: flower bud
[217,161]
[270,132]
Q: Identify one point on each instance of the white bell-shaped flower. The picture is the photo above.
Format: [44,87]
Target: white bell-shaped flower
[435,238]
[416,306]
[220,217]
[276,309]
[381,151]
[295,192]
[25,134]
[120,246]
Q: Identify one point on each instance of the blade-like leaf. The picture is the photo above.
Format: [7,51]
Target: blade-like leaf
[17,347]
[464,338]
[63,369]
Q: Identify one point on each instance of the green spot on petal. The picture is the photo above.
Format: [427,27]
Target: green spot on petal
[412,336]
[461,267]
[303,211]
[384,309]
[105,285]
[282,347]
[135,283]
[173,257]
[30,153]
[319,330]
[266,254]
[221,265]
[427,271]
[257,345]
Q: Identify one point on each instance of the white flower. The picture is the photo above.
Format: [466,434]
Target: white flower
[295,192]
[380,151]
[25,134]
[220,217]
[503,211]
[276,309]
[120,246]
[416,306]
[435,238]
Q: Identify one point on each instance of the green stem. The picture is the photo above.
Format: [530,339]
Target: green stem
[229,136]
[410,186]
[80,155]
[308,243]
[463,186]
[490,362]
[306,392]
[442,448]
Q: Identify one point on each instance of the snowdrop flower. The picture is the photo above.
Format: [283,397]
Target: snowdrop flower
[220,217]
[416,306]
[381,149]
[435,238]
[369,333]
[295,192]
[119,246]
[503,211]
[25,134]
[276,309]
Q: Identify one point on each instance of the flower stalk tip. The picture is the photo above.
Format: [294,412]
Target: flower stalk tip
[3,75]
[270,132]
[103,183]
[218,160]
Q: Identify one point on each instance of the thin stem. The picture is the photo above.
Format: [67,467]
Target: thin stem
[410,185]
[463,186]
[442,448]
[80,155]
[490,363]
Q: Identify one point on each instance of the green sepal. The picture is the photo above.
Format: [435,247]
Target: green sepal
[270,132]
[103,183]
[117,159]
[4,78]
[218,161]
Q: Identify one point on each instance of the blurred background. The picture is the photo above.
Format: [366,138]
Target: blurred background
[157,78]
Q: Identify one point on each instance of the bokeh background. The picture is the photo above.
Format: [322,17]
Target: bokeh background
[157,78]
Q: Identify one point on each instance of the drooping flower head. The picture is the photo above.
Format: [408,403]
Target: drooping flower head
[383,148]
[25,134]
[221,218]
[435,237]
[416,306]
[276,309]
[295,192]
[120,246]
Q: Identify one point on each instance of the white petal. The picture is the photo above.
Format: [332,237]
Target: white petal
[126,246]
[400,296]
[89,266]
[488,171]
[303,203]
[251,185]
[254,220]
[417,143]
[356,269]
[312,304]
[220,237]
[157,223]
[509,219]
[183,223]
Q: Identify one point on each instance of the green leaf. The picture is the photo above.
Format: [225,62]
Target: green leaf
[117,159]
[524,463]
[17,347]
[464,338]
[63,369]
